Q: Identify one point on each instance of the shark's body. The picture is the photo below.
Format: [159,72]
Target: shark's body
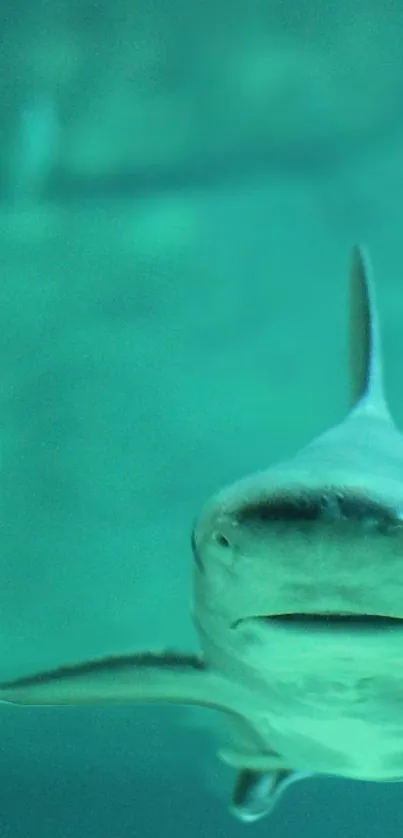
[298,603]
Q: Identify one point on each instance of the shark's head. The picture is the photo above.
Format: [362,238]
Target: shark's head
[310,551]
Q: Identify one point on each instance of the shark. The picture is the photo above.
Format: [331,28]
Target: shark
[297,603]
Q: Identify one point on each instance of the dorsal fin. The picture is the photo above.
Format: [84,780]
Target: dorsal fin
[365,343]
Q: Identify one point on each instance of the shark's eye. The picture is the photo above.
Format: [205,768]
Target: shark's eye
[221,540]
[216,538]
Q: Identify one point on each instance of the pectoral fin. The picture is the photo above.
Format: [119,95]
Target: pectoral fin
[143,677]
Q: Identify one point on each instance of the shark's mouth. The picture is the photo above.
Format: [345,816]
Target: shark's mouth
[332,621]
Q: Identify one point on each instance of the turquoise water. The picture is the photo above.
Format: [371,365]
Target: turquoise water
[180,191]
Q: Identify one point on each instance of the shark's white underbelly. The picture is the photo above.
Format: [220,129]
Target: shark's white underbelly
[330,705]
[336,719]
[349,747]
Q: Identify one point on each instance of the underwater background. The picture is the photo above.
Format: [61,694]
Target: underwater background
[181,185]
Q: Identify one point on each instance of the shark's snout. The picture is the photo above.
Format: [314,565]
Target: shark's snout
[318,558]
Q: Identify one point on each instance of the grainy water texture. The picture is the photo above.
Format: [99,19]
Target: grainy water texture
[181,183]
